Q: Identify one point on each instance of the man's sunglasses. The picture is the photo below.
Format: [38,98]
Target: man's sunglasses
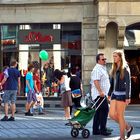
[103,59]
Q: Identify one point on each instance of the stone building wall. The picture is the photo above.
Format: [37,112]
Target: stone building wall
[57,11]
[121,12]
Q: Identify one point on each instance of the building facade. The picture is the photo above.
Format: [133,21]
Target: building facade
[86,27]
[76,20]
[119,28]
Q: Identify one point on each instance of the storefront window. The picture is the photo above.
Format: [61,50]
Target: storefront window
[63,55]
[132,54]
[132,34]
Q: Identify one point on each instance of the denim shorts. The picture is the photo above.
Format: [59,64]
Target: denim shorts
[31,96]
[118,97]
[9,96]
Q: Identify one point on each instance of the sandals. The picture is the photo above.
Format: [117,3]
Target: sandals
[129,131]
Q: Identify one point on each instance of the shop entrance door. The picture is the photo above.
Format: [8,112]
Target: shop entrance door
[133,58]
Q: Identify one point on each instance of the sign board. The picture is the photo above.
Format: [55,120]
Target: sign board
[41,36]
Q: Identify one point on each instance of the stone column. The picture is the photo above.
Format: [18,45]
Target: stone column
[23,51]
[89,42]
[89,49]
[102,33]
[121,34]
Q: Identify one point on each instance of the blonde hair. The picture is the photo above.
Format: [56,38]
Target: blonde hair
[123,64]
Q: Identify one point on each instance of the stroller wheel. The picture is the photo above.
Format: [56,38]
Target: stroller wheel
[74,132]
[85,133]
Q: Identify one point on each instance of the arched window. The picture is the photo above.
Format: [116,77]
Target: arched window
[111,35]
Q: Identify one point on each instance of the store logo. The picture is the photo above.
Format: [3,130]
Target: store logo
[37,37]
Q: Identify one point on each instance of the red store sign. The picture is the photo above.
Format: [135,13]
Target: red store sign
[39,36]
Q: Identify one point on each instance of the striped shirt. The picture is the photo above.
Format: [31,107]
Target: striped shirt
[99,73]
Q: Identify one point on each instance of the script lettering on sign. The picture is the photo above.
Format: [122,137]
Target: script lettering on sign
[37,37]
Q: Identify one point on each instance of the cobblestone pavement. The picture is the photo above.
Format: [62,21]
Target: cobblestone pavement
[51,126]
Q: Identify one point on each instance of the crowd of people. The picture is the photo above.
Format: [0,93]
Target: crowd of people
[113,88]
[51,80]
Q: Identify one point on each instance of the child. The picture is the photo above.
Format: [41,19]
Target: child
[39,105]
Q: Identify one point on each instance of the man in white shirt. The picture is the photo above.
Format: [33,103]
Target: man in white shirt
[99,89]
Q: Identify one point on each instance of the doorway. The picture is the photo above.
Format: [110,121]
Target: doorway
[133,59]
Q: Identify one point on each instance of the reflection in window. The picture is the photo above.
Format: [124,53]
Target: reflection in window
[132,35]
[61,56]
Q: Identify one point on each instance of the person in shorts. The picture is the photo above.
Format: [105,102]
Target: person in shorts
[31,97]
[11,84]
[120,92]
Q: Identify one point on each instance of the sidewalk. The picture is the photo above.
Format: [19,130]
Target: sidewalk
[51,126]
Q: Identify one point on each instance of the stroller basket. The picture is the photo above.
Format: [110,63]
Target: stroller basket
[83,116]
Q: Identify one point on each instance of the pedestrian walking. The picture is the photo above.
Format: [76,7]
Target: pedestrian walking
[31,97]
[76,88]
[37,85]
[48,69]
[78,71]
[11,84]
[120,92]
[100,85]
[66,101]
[2,73]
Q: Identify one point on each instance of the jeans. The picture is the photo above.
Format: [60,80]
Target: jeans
[100,117]
[39,108]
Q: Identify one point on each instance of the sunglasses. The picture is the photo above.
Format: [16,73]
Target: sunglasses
[103,59]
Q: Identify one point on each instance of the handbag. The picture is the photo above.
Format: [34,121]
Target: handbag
[76,93]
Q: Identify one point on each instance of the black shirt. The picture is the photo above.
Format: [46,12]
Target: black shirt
[75,82]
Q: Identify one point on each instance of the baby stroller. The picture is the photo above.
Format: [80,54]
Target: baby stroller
[80,119]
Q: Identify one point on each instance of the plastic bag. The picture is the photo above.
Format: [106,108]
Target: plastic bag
[83,102]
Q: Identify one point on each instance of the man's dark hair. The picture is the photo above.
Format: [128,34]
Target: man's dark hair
[58,74]
[30,67]
[13,62]
[73,70]
[98,56]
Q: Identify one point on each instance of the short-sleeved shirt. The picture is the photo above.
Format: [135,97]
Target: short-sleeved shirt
[29,77]
[1,76]
[12,75]
[38,82]
[99,73]
[67,83]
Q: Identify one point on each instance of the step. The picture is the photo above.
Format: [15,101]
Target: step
[49,102]
[45,98]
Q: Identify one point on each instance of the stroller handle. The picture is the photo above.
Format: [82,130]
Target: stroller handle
[99,104]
